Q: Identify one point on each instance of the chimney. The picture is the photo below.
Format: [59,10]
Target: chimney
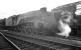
[43,9]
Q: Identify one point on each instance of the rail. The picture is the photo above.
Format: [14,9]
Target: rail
[39,40]
[64,41]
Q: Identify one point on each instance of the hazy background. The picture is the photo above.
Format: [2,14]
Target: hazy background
[13,7]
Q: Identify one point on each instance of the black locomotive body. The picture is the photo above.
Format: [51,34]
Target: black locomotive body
[42,22]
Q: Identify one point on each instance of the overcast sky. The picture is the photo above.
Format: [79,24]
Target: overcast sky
[12,7]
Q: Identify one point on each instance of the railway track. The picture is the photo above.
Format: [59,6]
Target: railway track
[24,45]
[6,45]
[54,43]
[21,44]
[15,44]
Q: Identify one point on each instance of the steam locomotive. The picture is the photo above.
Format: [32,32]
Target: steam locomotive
[42,22]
